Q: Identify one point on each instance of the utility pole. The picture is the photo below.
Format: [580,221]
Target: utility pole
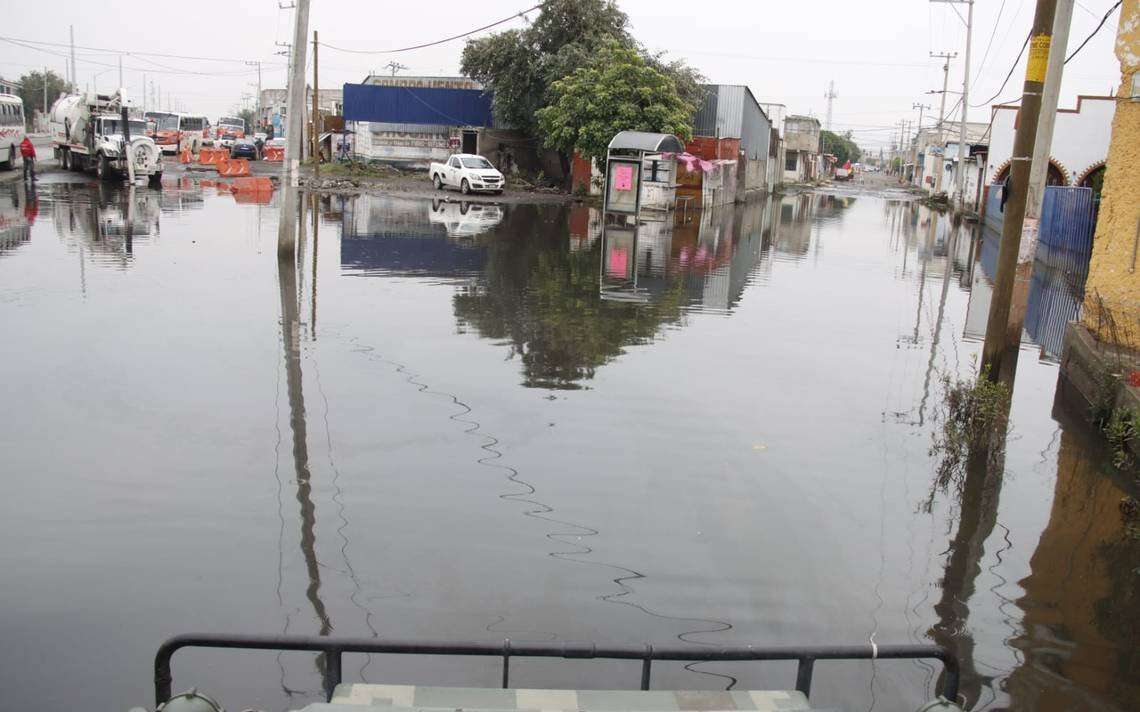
[1002,341]
[316,131]
[120,71]
[395,66]
[831,96]
[918,132]
[257,63]
[45,93]
[294,133]
[74,76]
[942,114]
[1035,197]
[963,151]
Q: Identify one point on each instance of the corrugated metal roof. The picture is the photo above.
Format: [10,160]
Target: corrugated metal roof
[730,111]
[417,105]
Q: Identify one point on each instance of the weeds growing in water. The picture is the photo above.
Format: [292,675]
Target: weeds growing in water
[974,420]
[1122,429]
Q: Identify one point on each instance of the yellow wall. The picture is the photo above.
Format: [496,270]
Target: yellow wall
[1109,275]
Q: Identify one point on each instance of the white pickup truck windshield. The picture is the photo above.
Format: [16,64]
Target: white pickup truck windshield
[476,163]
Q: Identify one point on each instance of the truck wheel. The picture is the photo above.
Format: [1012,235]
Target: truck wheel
[438,183]
[155,180]
[11,162]
[465,187]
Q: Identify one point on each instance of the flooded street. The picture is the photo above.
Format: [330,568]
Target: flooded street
[474,421]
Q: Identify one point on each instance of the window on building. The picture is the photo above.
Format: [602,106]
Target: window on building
[790,162]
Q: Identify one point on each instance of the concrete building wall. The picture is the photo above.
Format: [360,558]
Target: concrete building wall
[801,133]
[1114,280]
[1080,137]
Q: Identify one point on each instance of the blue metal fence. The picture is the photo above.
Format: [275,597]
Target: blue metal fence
[1068,217]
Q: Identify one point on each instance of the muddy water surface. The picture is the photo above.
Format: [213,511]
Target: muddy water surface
[490,421]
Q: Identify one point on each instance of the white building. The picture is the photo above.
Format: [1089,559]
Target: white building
[274,106]
[939,160]
[1080,141]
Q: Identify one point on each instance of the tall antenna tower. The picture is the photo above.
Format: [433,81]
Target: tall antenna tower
[831,96]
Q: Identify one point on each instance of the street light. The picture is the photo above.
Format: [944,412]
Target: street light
[94,86]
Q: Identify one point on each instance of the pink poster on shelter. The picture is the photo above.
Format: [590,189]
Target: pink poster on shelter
[623,177]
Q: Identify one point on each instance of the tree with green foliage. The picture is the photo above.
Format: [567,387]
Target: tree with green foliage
[32,91]
[617,90]
[842,147]
[520,66]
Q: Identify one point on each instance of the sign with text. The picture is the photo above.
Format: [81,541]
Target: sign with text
[623,185]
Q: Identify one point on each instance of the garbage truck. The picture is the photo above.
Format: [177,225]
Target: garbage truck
[97,132]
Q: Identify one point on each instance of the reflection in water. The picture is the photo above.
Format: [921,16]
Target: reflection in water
[464,219]
[291,343]
[104,220]
[1081,632]
[1047,294]
[384,235]
[18,210]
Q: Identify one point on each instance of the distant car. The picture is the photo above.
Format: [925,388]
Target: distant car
[244,148]
[467,172]
[275,143]
[260,136]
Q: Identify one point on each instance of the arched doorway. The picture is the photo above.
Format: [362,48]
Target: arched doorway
[1094,179]
[1055,176]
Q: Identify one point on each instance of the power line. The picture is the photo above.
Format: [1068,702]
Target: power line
[437,42]
[132,53]
[1007,76]
[986,54]
[1093,33]
[115,65]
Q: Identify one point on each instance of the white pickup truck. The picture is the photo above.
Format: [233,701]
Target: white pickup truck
[468,173]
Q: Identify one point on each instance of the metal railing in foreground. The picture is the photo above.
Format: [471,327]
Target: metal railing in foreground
[334,648]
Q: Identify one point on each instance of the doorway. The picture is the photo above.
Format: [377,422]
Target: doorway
[469,141]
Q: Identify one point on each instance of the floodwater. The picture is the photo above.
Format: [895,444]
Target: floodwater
[474,421]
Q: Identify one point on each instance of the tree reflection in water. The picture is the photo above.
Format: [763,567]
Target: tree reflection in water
[543,298]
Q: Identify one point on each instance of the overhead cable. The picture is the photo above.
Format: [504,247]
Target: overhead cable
[133,53]
[437,42]
[1093,33]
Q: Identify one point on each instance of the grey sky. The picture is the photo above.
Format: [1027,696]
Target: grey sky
[876,52]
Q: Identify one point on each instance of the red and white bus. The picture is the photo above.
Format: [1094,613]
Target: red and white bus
[11,129]
[230,128]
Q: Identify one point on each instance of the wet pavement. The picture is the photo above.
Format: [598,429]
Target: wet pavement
[489,421]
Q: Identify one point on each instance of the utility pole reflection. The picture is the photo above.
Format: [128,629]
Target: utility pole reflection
[290,338]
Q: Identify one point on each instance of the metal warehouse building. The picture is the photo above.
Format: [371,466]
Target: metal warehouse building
[416,119]
[730,111]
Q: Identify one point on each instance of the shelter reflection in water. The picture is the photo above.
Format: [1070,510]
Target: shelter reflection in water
[18,210]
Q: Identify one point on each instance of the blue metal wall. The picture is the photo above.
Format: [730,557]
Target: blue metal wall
[417,105]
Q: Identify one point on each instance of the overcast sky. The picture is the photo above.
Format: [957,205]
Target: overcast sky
[876,52]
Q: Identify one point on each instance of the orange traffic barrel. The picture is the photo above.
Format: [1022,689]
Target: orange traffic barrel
[253,185]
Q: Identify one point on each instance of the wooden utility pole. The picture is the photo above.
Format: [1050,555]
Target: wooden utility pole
[1001,339]
[316,129]
[1039,169]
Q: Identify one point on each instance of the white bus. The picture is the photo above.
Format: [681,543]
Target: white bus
[11,129]
[194,131]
